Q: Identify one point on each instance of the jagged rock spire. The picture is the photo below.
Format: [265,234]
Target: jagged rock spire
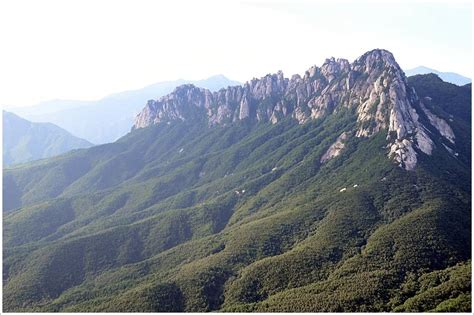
[374,84]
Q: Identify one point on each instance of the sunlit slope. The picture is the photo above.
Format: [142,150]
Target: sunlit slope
[245,217]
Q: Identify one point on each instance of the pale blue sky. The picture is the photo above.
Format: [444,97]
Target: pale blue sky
[85,49]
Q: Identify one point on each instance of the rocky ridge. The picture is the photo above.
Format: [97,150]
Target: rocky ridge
[373,84]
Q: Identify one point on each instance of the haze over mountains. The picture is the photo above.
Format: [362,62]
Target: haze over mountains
[450,77]
[110,118]
[345,189]
[24,141]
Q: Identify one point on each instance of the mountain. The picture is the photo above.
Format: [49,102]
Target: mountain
[374,78]
[110,118]
[25,141]
[347,189]
[450,77]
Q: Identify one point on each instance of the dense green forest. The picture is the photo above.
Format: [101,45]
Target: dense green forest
[245,217]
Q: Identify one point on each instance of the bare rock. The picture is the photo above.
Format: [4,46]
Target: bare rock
[404,154]
[440,124]
[335,148]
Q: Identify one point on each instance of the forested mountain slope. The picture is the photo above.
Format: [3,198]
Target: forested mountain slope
[360,203]
[25,141]
[449,77]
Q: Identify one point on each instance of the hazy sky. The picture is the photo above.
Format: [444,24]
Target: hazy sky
[87,49]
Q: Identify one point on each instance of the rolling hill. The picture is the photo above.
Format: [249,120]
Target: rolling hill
[25,141]
[449,77]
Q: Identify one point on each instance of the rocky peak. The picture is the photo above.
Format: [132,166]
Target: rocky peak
[332,68]
[376,60]
[374,84]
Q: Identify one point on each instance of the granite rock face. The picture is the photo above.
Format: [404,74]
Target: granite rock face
[373,84]
[335,149]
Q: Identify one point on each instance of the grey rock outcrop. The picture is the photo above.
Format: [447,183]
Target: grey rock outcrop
[373,84]
[440,124]
[335,149]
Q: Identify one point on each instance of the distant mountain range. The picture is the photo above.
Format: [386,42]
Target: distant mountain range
[345,189]
[25,141]
[450,77]
[109,118]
